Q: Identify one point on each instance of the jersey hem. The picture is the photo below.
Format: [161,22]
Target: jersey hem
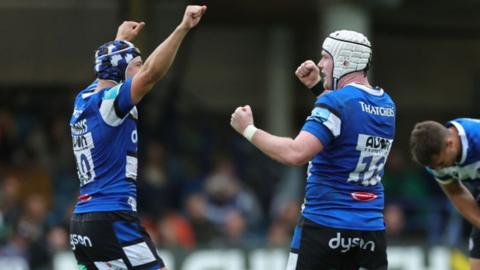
[336,226]
[83,211]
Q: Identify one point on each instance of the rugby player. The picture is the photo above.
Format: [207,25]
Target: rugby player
[451,153]
[105,232]
[345,141]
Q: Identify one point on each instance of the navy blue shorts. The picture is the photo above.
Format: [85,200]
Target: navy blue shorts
[112,240]
[315,247]
[474,243]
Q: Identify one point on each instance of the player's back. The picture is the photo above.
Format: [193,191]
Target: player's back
[104,135]
[343,186]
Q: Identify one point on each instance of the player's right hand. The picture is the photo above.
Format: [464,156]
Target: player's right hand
[241,118]
[128,30]
[192,16]
[308,73]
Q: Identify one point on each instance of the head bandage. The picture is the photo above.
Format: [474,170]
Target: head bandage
[351,51]
[112,59]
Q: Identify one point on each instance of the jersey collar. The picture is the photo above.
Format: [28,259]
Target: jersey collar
[88,94]
[90,90]
[463,139]
[375,92]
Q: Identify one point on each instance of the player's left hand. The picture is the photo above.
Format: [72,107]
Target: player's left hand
[241,118]
[308,73]
[128,30]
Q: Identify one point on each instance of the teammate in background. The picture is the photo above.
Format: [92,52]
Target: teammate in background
[105,232]
[451,153]
[346,141]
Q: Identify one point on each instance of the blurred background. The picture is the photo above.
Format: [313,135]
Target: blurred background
[208,198]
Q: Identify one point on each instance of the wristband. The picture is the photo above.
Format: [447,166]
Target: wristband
[317,89]
[249,131]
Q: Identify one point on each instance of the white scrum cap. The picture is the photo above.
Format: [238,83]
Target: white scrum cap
[351,51]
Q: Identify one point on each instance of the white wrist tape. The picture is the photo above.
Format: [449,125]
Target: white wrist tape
[249,131]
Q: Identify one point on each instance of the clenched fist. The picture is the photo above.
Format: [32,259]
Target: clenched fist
[308,73]
[192,16]
[128,30]
[241,118]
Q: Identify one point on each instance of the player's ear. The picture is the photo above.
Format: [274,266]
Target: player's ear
[449,142]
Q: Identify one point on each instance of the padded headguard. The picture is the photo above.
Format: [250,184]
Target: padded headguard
[112,59]
[351,51]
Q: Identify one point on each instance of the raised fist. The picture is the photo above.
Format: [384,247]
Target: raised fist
[241,118]
[128,30]
[308,73]
[192,16]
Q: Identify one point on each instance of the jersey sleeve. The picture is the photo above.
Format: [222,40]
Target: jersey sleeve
[116,103]
[325,120]
[441,176]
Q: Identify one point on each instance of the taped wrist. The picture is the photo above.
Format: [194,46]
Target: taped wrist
[249,132]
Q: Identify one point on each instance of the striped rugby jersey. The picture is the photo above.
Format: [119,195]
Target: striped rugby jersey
[104,135]
[356,126]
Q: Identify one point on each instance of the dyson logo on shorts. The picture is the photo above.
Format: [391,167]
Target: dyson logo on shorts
[345,244]
[77,239]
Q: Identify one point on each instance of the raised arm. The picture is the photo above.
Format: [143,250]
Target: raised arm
[159,62]
[463,200]
[288,151]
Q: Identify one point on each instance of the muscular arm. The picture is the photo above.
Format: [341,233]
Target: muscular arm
[159,62]
[463,200]
[293,152]
[156,65]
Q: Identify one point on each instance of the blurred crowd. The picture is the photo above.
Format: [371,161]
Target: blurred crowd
[200,184]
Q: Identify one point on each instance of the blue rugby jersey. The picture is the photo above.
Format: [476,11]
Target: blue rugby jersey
[356,126]
[104,134]
[468,167]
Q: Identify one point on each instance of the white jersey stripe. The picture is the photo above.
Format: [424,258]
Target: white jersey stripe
[139,254]
[292,261]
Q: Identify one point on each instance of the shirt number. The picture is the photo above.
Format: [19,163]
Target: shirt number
[373,155]
[82,145]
